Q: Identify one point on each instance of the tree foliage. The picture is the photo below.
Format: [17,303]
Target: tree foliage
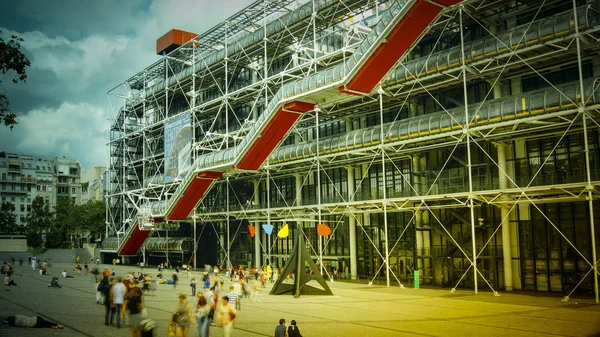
[85,220]
[94,217]
[57,236]
[68,221]
[39,220]
[8,219]
[12,62]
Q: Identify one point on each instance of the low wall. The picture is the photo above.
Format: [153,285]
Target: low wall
[13,244]
[57,255]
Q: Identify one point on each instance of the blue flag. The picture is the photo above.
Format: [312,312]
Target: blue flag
[268,228]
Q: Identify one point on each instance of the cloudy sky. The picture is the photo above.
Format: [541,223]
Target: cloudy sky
[80,49]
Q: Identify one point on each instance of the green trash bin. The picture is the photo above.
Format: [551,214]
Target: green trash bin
[416,275]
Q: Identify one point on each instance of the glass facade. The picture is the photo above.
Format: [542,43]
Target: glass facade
[478,130]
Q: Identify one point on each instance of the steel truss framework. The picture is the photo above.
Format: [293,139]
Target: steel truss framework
[415,163]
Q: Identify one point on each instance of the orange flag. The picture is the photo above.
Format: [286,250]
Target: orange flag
[251,230]
[323,230]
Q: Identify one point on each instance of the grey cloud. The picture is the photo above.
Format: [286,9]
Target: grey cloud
[64,104]
[75,19]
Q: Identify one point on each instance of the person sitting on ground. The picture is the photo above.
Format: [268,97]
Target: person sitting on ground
[280,329]
[293,330]
[64,274]
[54,283]
[8,281]
[30,322]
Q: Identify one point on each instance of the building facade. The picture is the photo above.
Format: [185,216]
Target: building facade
[18,183]
[46,181]
[473,162]
[23,178]
[92,184]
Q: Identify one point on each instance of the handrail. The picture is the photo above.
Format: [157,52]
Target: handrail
[532,103]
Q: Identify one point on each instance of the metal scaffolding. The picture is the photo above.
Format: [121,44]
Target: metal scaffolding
[474,161]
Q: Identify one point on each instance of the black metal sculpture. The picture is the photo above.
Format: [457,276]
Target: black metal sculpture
[299,259]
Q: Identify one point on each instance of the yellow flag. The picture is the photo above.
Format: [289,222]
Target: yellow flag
[284,231]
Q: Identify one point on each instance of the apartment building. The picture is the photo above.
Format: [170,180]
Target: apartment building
[24,177]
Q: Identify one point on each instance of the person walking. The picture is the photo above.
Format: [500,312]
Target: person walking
[105,288]
[217,293]
[117,299]
[293,330]
[280,329]
[206,280]
[175,279]
[193,285]
[226,316]
[202,318]
[210,299]
[233,298]
[135,305]
[183,317]
[257,290]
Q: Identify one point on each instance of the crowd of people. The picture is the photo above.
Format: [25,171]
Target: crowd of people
[216,298]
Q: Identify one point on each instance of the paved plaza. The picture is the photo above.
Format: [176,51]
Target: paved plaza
[355,310]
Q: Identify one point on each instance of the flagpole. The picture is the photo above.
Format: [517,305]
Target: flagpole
[319,193]
[269,212]
[321,253]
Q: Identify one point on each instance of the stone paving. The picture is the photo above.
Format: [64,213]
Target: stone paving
[355,310]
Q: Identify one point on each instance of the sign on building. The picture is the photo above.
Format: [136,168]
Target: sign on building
[178,146]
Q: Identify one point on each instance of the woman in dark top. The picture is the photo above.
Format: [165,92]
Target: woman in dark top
[293,330]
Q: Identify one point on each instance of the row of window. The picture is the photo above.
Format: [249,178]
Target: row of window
[65,190]
[21,208]
[16,187]
[29,166]
[546,161]
[13,199]
[13,177]
[65,180]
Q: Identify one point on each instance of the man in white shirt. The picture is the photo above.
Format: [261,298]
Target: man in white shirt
[233,298]
[117,295]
